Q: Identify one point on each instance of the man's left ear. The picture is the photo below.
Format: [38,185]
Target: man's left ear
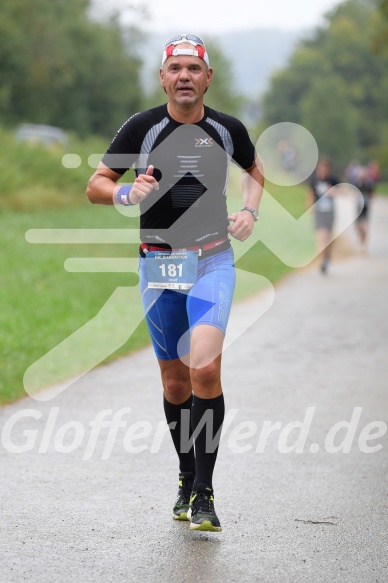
[209,77]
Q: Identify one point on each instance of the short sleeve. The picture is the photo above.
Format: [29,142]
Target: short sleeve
[124,148]
[244,152]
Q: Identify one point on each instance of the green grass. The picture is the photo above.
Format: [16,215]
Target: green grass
[43,304]
[33,177]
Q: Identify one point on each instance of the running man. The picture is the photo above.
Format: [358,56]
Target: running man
[181,152]
[321,184]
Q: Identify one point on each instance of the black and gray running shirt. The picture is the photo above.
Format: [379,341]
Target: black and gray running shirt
[191,164]
[321,187]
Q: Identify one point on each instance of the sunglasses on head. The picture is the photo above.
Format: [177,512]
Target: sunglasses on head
[190,38]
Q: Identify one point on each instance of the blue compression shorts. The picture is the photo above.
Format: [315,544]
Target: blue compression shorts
[171,314]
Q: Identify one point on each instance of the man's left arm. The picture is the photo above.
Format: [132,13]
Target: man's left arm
[252,183]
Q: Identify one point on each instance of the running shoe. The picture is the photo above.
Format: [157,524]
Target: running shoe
[201,511]
[186,481]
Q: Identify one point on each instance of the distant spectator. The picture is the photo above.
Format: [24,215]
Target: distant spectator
[373,172]
[288,154]
[352,171]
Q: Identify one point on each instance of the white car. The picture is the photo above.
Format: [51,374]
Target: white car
[41,134]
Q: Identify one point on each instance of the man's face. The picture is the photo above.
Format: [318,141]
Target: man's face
[185,78]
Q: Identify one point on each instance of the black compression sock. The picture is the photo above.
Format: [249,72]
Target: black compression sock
[174,414]
[206,453]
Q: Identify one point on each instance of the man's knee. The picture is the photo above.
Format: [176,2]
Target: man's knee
[207,375]
[177,388]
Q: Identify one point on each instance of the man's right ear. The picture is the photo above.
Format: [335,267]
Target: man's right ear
[161,79]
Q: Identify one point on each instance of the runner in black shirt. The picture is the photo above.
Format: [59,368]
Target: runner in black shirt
[321,194]
[181,153]
[194,160]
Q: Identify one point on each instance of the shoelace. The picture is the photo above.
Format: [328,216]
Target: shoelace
[203,503]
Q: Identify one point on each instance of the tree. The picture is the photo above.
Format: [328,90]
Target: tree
[333,128]
[59,67]
[380,26]
[288,87]
[340,54]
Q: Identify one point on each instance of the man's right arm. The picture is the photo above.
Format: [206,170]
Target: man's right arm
[102,186]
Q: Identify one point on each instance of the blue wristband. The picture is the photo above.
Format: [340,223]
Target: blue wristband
[122,195]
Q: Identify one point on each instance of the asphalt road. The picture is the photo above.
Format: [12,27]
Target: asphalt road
[318,356]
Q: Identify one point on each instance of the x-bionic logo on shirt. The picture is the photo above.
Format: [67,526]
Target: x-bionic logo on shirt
[203,142]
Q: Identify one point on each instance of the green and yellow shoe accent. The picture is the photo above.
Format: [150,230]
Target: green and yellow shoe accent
[201,513]
[180,510]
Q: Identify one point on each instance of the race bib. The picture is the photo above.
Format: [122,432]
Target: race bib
[172,269]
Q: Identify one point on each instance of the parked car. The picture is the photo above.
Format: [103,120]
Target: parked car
[41,134]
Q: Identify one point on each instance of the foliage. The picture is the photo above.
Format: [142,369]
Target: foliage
[380,26]
[35,178]
[61,68]
[332,127]
[335,84]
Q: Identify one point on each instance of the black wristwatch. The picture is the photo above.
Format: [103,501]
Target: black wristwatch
[253,212]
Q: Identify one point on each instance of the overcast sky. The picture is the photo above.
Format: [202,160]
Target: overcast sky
[202,16]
